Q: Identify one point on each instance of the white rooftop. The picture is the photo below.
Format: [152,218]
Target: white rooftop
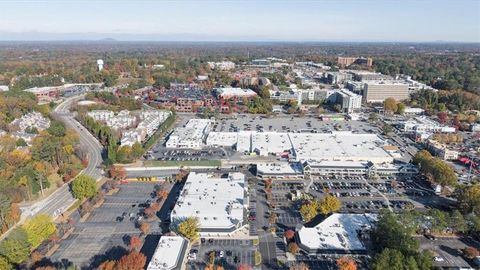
[279,168]
[168,254]
[234,91]
[218,203]
[336,232]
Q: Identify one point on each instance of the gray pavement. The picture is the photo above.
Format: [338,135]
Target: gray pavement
[101,233]
[59,201]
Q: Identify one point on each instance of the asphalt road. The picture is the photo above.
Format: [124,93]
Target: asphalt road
[59,201]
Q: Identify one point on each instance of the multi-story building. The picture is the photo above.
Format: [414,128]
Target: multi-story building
[441,150]
[130,137]
[337,77]
[224,65]
[378,91]
[191,136]
[101,115]
[234,92]
[349,101]
[347,61]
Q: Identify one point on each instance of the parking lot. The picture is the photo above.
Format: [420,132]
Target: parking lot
[103,232]
[285,123]
[229,253]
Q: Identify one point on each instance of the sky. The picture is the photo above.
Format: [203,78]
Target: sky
[247,20]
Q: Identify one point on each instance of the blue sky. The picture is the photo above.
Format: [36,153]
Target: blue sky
[329,20]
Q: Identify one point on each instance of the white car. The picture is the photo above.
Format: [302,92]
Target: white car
[438,259]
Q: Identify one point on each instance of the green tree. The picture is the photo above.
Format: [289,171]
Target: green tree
[401,108]
[137,150]
[457,221]
[15,248]
[189,228]
[57,129]
[21,143]
[389,233]
[438,220]
[390,259]
[84,186]
[329,204]
[39,229]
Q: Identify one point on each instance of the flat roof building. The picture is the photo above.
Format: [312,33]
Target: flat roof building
[169,254]
[219,204]
[234,92]
[191,136]
[338,233]
[378,91]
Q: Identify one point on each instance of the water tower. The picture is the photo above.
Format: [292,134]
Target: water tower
[100,64]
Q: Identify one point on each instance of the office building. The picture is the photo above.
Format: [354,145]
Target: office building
[378,91]
[441,150]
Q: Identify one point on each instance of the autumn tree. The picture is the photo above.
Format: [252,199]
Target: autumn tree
[4,264]
[299,266]
[131,261]
[38,229]
[346,263]
[244,267]
[117,172]
[189,228]
[309,210]
[390,105]
[293,248]
[107,265]
[145,228]
[468,198]
[289,235]
[329,204]
[135,243]
[471,252]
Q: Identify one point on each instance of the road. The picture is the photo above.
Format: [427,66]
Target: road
[59,201]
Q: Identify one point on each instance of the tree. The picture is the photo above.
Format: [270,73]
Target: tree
[299,266]
[438,220]
[469,199]
[293,248]
[309,210]
[117,173]
[15,248]
[21,143]
[189,228]
[5,265]
[145,228]
[289,235]
[442,117]
[401,108]
[346,263]
[457,221]
[329,204]
[131,261]
[137,150]
[471,252]
[107,265]
[244,267]
[390,105]
[84,186]
[389,233]
[57,129]
[38,229]
[135,243]
[391,259]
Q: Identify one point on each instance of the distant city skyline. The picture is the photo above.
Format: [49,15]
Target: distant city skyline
[267,20]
